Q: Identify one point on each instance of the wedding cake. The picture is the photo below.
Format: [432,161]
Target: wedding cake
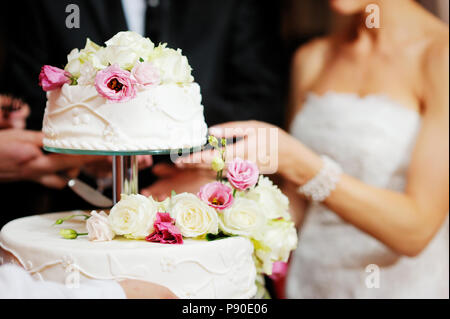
[221,269]
[218,243]
[126,96]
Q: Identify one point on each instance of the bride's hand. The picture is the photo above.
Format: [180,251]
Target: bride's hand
[270,147]
[262,143]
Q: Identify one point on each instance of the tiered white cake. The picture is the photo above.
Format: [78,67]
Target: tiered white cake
[127,96]
[131,96]
[221,269]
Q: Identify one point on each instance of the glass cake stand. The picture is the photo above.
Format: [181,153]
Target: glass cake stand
[125,165]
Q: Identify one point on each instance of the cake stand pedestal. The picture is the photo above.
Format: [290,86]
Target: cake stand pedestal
[125,166]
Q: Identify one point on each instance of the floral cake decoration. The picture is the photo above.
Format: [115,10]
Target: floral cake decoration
[128,63]
[240,203]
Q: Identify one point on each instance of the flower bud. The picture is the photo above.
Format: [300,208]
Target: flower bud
[217,164]
[68,233]
[213,141]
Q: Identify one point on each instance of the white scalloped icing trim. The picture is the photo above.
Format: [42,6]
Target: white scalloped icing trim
[64,144]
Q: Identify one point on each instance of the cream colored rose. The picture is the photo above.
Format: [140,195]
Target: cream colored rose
[98,227]
[87,74]
[278,240]
[91,53]
[133,217]
[172,64]
[274,203]
[126,49]
[74,63]
[194,218]
[244,218]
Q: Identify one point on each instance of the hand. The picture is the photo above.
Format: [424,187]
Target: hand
[21,158]
[13,113]
[262,143]
[102,166]
[174,179]
[135,289]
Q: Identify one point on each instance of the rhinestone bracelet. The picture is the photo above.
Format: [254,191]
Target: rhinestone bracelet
[321,186]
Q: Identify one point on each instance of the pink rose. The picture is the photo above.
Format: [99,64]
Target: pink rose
[146,74]
[98,227]
[165,231]
[217,195]
[279,270]
[242,174]
[115,84]
[52,78]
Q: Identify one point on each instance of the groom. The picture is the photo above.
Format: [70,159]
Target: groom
[233,46]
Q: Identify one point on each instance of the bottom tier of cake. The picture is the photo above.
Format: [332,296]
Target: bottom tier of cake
[221,269]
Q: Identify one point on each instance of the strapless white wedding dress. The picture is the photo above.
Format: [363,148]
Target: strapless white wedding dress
[372,139]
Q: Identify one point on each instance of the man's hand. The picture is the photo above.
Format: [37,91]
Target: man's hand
[21,158]
[178,180]
[13,113]
[102,168]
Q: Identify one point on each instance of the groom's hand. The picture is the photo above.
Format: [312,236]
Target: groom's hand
[22,159]
[172,178]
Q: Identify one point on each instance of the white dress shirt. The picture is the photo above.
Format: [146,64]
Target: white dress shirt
[16,283]
[135,14]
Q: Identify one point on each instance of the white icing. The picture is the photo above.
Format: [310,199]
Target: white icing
[168,116]
[196,269]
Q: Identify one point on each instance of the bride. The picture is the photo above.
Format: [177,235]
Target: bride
[369,153]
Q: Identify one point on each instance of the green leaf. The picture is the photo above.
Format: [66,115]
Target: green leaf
[141,60]
[173,194]
[212,237]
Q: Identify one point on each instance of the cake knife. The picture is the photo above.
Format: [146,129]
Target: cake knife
[89,194]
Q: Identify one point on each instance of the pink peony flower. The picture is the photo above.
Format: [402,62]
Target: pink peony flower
[52,78]
[217,195]
[242,174]
[165,231]
[115,84]
[146,74]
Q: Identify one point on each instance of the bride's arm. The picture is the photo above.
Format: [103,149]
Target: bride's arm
[404,221]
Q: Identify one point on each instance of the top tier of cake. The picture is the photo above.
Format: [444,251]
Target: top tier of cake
[127,96]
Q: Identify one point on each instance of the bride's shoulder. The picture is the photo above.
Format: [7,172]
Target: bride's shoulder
[309,59]
[316,49]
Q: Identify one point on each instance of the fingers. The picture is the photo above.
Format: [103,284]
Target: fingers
[50,164]
[200,160]
[144,161]
[164,170]
[158,193]
[51,181]
[26,136]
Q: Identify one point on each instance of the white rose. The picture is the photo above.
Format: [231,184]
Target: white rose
[244,218]
[127,48]
[123,56]
[133,217]
[87,74]
[74,63]
[194,218]
[173,65]
[76,59]
[270,197]
[98,227]
[278,240]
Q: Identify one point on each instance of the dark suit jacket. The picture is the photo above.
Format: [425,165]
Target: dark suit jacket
[233,46]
